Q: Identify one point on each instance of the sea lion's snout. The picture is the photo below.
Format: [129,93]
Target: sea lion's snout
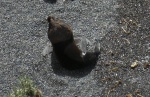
[50,18]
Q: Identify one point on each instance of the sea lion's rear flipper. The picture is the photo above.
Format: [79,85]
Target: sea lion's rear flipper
[84,42]
[77,40]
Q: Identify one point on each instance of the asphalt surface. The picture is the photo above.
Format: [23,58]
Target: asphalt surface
[121,26]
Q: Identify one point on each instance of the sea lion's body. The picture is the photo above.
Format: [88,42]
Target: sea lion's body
[67,52]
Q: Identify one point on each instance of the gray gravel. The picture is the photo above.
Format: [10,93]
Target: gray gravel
[23,36]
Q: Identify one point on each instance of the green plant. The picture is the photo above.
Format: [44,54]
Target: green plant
[26,89]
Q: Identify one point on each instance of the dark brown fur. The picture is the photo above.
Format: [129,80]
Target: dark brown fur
[67,52]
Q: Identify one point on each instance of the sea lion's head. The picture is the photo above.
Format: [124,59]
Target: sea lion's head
[58,31]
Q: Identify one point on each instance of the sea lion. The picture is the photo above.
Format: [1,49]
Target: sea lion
[67,52]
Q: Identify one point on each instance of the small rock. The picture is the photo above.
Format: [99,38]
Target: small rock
[134,64]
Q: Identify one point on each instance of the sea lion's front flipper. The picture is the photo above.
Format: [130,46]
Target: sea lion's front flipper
[97,48]
[48,49]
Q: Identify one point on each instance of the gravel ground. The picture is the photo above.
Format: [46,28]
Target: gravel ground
[121,26]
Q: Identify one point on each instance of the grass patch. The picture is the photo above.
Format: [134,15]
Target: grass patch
[26,88]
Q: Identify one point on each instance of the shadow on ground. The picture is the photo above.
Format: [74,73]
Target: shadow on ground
[50,1]
[59,70]
[53,1]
